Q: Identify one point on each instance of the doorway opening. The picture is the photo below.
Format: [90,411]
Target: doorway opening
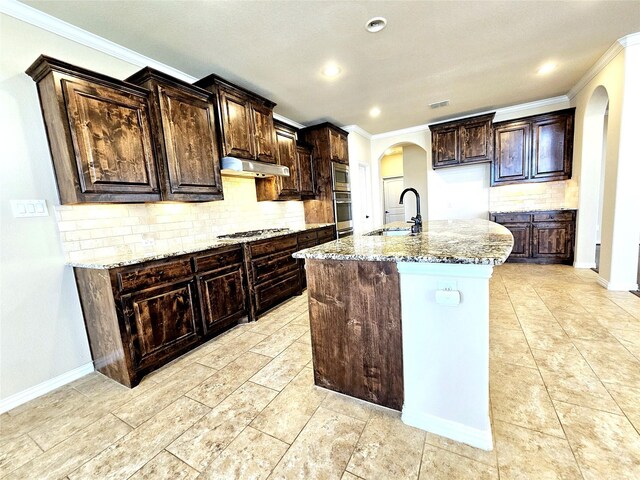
[402,165]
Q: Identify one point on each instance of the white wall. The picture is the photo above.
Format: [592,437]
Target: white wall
[41,327]
[360,154]
[415,165]
[620,228]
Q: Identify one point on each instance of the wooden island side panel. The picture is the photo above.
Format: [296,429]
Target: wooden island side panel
[356,329]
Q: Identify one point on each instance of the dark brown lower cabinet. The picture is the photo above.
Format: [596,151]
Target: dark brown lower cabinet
[540,236]
[311,239]
[273,273]
[161,321]
[142,316]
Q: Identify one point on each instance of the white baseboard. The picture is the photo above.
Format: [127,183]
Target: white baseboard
[36,391]
[616,287]
[584,265]
[446,428]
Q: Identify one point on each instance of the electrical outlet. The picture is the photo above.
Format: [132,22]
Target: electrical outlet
[148,242]
[447,285]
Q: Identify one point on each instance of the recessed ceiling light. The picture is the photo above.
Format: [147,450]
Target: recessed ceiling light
[376,24]
[331,70]
[547,68]
[374,112]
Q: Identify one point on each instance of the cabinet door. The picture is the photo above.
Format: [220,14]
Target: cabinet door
[305,168]
[444,143]
[477,142]
[265,137]
[521,239]
[287,157]
[338,147]
[237,127]
[344,149]
[222,297]
[553,241]
[512,154]
[193,166]
[552,138]
[110,131]
[162,322]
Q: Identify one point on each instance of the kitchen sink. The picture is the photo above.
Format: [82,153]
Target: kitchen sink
[253,233]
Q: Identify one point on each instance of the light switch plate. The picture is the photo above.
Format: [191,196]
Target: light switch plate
[29,208]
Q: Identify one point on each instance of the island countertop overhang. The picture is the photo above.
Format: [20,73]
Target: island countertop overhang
[471,242]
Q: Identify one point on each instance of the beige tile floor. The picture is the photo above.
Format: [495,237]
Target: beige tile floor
[565,397]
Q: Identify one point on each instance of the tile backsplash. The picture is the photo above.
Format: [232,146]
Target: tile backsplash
[93,231]
[534,196]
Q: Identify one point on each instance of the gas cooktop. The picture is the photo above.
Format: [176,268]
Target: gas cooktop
[253,233]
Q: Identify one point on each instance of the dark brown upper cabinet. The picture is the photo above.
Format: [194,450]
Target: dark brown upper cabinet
[183,120]
[534,149]
[328,144]
[246,120]
[99,133]
[282,188]
[338,146]
[305,168]
[462,142]
[287,157]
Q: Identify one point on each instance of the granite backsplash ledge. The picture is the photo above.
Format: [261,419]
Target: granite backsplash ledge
[95,231]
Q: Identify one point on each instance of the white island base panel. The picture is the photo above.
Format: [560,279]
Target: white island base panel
[446,350]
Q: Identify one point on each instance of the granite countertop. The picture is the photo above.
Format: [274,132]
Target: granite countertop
[531,210]
[214,242]
[478,242]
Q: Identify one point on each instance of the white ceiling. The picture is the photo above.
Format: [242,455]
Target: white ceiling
[478,54]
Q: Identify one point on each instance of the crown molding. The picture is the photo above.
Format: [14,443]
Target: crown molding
[402,131]
[59,27]
[358,130]
[545,102]
[498,111]
[42,20]
[611,53]
[630,40]
[281,118]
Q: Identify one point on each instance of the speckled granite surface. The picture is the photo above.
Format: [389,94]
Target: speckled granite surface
[124,260]
[528,210]
[478,242]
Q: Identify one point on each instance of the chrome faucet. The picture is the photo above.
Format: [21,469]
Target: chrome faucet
[417,220]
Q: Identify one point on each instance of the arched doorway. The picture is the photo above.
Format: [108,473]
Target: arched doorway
[591,221]
[402,165]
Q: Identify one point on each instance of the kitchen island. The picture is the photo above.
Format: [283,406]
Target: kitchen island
[402,320]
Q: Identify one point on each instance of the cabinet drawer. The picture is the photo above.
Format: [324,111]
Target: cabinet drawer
[273,245]
[302,246]
[147,276]
[267,268]
[307,237]
[217,259]
[559,216]
[326,234]
[272,293]
[512,217]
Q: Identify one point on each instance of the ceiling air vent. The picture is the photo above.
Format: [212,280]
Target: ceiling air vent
[443,103]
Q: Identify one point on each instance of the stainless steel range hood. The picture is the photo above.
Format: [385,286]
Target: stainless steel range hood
[237,167]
